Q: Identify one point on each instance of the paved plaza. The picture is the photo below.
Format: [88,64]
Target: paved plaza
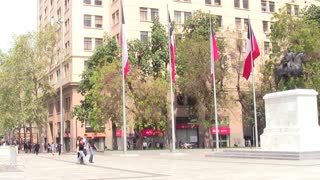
[158,165]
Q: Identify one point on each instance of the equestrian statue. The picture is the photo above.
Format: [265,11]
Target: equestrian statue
[290,66]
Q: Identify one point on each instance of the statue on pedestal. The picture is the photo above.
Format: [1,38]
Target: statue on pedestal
[290,66]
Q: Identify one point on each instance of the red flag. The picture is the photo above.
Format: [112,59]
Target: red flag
[124,46]
[172,51]
[214,51]
[252,47]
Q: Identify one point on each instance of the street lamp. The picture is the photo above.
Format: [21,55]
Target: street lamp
[60,22]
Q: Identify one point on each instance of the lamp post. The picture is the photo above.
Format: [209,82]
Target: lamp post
[60,22]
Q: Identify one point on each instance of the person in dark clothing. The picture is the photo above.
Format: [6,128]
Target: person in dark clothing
[59,148]
[36,148]
[92,149]
[81,155]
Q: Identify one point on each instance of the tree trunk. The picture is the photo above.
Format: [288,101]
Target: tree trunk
[30,130]
[24,134]
[114,137]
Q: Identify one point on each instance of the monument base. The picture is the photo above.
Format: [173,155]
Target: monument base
[260,154]
[291,121]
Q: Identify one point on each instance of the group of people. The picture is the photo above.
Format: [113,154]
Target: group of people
[52,148]
[86,145]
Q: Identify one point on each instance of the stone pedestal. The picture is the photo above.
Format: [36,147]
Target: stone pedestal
[291,121]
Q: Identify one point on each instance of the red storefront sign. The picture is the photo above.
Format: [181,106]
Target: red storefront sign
[221,130]
[148,132]
[119,133]
[186,126]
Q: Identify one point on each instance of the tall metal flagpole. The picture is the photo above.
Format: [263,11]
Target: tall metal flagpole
[214,87]
[253,86]
[171,92]
[123,91]
[60,22]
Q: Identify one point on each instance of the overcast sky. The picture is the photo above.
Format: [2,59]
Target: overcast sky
[17,17]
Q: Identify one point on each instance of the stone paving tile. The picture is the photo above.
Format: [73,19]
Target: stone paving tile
[153,166]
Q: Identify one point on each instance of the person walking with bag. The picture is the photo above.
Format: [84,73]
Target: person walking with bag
[92,149]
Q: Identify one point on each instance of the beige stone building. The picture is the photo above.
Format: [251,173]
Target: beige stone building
[82,25]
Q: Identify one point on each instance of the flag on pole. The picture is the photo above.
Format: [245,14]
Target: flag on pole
[124,46]
[214,50]
[252,48]
[172,51]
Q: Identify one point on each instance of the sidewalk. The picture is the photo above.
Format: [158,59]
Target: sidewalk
[151,165]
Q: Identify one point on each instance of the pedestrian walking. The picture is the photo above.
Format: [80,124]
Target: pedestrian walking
[92,149]
[52,148]
[59,147]
[81,155]
[36,148]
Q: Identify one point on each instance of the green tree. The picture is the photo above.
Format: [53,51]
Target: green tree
[193,68]
[26,85]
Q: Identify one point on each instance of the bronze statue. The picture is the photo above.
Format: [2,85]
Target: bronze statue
[290,66]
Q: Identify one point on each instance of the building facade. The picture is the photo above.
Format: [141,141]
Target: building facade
[83,23]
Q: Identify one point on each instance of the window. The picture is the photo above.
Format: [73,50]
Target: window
[66,70]
[58,74]
[154,13]
[245,23]
[219,21]
[245,4]
[213,2]
[58,106]
[66,24]
[98,2]
[50,109]
[87,21]
[86,1]
[113,18]
[67,128]
[98,21]
[266,47]
[177,17]
[265,26]
[87,44]
[66,45]
[143,36]
[208,1]
[68,104]
[217,2]
[271,6]
[187,15]
[238,23]
[264,6]
[237,3]
[288,6]
[143,14]
[117,16]
[296,10]
[98,41]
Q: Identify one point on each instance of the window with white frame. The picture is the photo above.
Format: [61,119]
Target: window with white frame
[265,26]
[143,36]
[266,47]
[271,6]
[87,44]
[238,23]
[154,13]
[177,17]
[98,42]
[86,1]
[263,5]
[143,14]
[245,4]
[87,21]
[237,3]
[98,2]
[98,21]
[187,15]
[245,23]
[296,10]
